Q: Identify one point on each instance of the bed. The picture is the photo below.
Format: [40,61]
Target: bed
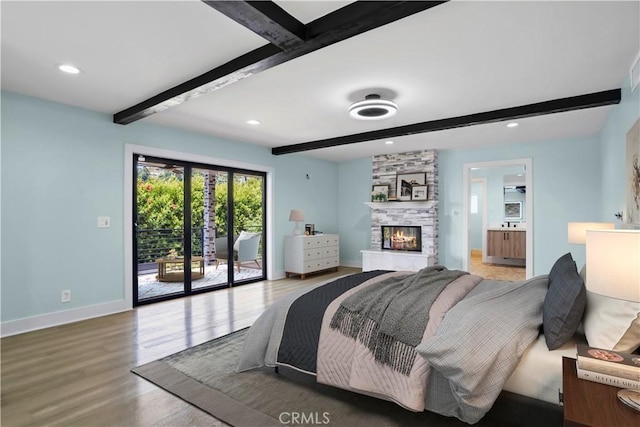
[437,340]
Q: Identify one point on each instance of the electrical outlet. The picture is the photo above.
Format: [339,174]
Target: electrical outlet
[104,222]
[65,296]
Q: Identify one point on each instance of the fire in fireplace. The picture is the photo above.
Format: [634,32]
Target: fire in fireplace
[402,237]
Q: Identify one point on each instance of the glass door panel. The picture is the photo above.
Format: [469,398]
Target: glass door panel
[159,229]
[248,225]
[209,228]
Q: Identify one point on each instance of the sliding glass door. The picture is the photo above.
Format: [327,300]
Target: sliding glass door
[181,251]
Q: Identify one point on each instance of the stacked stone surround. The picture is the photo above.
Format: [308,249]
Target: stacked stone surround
[384,171]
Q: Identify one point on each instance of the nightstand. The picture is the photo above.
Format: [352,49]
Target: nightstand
[587,403]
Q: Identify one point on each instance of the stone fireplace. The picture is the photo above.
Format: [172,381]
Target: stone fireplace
[423,214]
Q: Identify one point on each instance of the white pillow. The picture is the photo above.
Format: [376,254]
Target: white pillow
[612,324]
[244,235]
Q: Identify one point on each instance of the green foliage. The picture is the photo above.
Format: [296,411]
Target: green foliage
[160,206]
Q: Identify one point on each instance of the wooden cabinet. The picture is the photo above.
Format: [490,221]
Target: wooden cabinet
[308,254]
[507,244]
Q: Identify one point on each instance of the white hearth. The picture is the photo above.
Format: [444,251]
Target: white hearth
[395,260]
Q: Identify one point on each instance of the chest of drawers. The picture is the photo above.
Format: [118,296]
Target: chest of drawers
[309,254]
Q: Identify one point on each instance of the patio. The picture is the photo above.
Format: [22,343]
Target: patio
[149,286]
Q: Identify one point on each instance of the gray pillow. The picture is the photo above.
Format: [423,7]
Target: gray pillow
[564,302]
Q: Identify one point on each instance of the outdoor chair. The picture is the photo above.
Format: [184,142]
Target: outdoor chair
[245,248]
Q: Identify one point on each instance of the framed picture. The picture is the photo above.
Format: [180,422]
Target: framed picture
[419,192]
[512,210]
[405,183]
[309,230]
[380,193]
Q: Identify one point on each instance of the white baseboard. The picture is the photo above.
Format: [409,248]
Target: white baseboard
[355,263]
[277,275]
[27,324]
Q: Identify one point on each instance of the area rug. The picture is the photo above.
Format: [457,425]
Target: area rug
[205,377]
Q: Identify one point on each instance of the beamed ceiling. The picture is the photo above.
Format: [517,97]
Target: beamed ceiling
[458,70]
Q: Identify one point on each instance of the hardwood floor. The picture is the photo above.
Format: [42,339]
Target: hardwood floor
[494,271]
[78,374]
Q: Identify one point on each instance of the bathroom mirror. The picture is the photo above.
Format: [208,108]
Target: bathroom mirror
[514,195]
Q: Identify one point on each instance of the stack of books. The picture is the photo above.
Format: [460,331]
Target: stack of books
[608,367]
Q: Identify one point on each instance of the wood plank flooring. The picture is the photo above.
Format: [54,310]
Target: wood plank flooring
[78,374]
[495,271]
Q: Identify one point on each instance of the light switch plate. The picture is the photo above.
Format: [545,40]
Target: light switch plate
[104,222]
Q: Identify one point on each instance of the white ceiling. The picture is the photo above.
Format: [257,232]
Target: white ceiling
[459,58]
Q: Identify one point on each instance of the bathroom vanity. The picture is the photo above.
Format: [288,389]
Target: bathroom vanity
[507,243]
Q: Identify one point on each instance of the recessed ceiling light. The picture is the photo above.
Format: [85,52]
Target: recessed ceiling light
[512,124]
[68,68]
[253,122]
[388,142]
[373,108]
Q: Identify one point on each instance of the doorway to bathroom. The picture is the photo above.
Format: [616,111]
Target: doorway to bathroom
[498,217]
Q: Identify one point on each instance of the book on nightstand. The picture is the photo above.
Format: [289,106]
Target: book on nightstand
[607,379]
[616,364]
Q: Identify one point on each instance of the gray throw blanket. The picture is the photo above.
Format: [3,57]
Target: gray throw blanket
[390,317]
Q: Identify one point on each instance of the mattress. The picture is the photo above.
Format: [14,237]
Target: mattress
[539,372]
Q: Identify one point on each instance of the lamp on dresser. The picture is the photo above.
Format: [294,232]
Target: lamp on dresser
[296,216]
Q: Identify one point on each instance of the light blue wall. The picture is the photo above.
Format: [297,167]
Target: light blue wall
[614,145]
[566,178]
[355,216]
[62,167]
[495,189]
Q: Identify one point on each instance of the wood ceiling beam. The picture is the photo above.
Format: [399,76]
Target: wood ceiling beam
[349,21]
[597,99]
[266,19]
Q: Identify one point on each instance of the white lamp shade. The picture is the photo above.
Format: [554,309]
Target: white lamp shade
[613,263]
[296,215]
[578,230]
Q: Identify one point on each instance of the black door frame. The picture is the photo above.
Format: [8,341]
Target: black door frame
[188,167]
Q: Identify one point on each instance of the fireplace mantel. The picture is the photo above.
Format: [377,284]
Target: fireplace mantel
[401,205]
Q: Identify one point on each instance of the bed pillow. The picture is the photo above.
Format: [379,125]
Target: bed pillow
[564,303]
[611,323]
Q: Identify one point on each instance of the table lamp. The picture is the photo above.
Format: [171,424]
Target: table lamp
[296,216]
[613,263]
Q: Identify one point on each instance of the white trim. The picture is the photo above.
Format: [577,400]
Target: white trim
[466,169]
[483,183]
[130,149]
[355,263]
[27,324]
[634,65]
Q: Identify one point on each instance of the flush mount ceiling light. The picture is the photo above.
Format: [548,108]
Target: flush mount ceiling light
[373,108]
[68,68]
